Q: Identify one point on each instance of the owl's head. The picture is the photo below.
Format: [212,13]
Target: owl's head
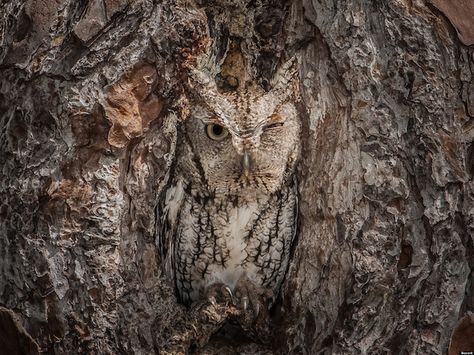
[245,140]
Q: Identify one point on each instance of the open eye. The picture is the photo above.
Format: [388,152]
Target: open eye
[216,132]
[274,125]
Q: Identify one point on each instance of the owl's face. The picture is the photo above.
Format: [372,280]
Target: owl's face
[248,143]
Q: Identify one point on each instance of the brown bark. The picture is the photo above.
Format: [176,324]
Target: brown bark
[90,93]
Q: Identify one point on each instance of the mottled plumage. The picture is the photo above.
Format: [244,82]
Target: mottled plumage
[230,211]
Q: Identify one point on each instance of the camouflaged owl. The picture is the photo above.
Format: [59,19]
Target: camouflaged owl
[228,217]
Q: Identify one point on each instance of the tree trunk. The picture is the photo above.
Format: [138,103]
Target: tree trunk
[90,93]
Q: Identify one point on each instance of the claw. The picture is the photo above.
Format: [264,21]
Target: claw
[212,300]
[252,314]
[257,310]
[245,303]
[229,291]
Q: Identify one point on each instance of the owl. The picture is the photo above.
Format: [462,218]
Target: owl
[229,214]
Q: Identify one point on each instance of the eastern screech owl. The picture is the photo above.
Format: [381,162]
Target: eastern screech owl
[230,210]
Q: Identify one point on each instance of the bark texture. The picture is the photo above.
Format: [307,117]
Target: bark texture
[90,93]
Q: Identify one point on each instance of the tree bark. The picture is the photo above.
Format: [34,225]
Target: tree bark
[90,94]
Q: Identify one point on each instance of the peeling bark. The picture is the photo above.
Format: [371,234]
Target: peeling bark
[90,94]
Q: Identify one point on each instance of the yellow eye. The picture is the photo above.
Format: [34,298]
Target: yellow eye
[216,132]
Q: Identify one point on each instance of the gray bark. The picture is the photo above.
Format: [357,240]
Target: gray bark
[89,92]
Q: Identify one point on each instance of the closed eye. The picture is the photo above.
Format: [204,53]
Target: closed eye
[274,125]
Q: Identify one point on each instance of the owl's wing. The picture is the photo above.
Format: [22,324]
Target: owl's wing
[168,221]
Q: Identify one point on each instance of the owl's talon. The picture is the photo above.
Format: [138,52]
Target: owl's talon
[245,300]
[219,293]
[229,291]
[212,300]
[252,315]
[256,310]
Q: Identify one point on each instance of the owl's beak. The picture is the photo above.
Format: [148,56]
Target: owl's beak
[246,163]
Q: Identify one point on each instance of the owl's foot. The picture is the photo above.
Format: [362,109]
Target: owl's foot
[220,293]
[252,302]
[207,315]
